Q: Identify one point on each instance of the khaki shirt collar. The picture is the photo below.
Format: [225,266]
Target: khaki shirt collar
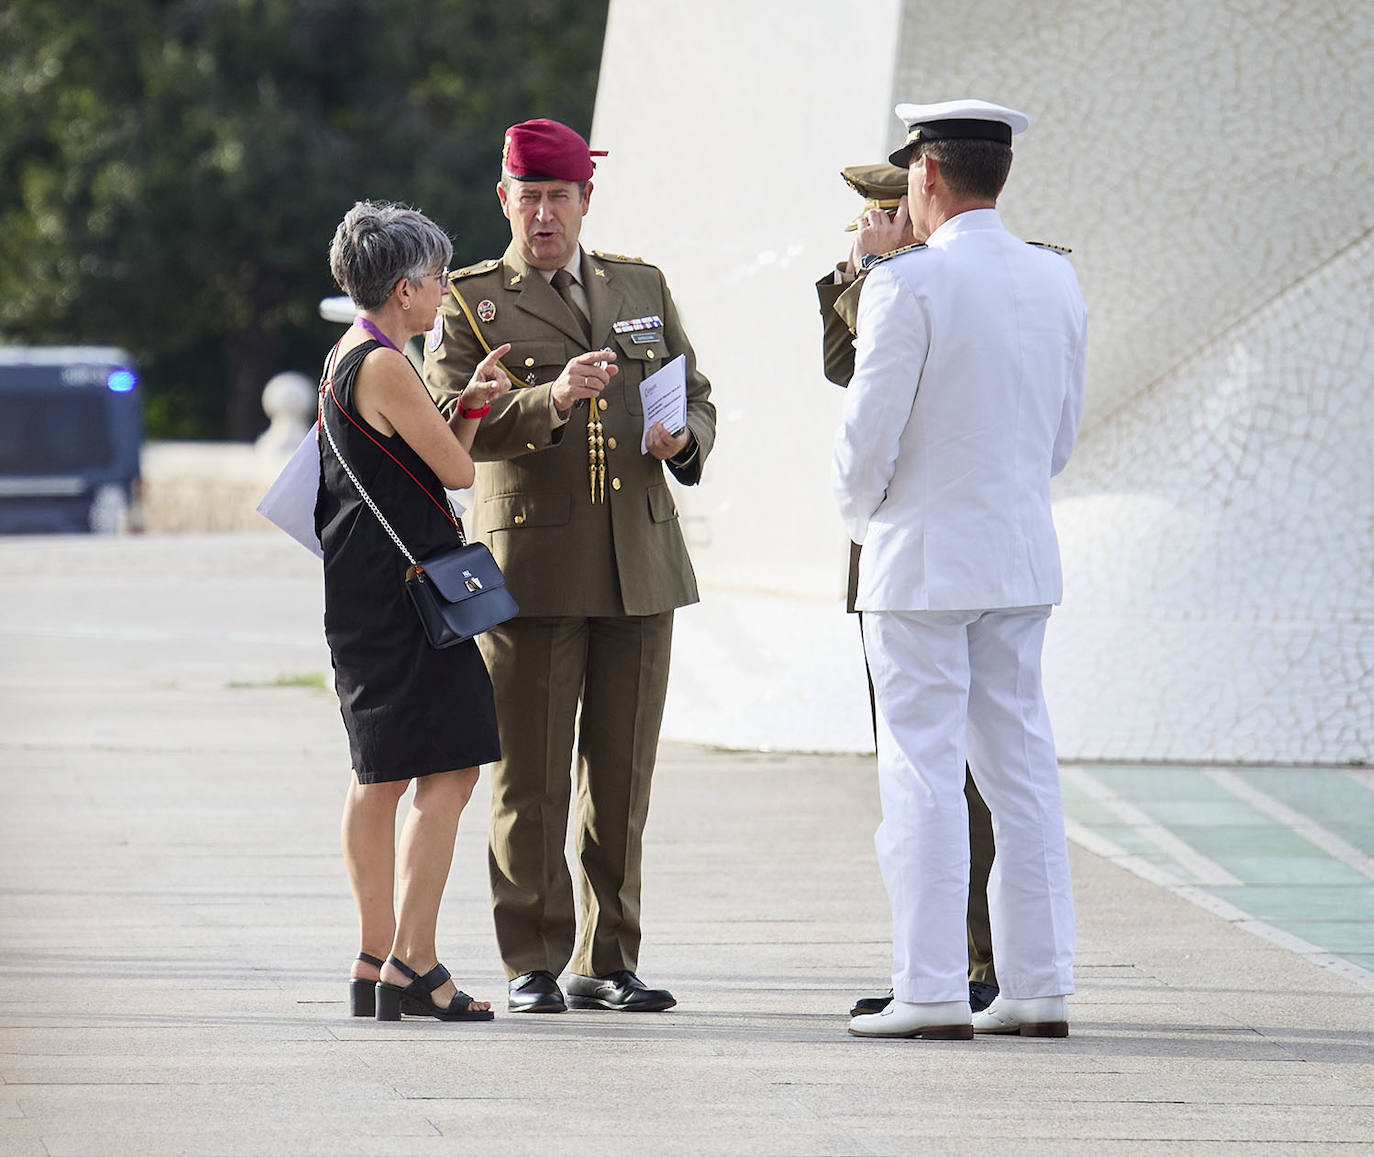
[516,264]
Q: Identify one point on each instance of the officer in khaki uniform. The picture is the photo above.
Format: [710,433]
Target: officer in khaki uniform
[884,230]
[585,528]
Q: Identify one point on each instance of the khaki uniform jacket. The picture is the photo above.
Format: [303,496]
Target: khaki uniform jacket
[839,319]
[839,316]
[563,553]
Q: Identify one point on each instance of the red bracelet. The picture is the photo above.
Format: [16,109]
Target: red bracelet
[482,412]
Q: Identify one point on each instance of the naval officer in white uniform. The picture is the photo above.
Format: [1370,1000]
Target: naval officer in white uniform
[966,397]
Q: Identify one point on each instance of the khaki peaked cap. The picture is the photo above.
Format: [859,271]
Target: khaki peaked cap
[881,186]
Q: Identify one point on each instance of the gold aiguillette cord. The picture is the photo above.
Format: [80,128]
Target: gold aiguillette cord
[596,453]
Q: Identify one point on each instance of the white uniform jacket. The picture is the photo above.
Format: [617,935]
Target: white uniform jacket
[967,391]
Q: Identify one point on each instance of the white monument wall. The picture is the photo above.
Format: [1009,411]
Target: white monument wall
[1209,167]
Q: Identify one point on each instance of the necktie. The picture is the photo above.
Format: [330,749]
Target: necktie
[562,281]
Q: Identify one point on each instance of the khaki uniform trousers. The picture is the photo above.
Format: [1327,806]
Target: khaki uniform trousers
[981,852]
[543,669]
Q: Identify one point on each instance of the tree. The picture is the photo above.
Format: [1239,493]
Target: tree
[171,171]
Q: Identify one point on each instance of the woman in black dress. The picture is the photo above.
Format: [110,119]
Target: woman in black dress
[412,712]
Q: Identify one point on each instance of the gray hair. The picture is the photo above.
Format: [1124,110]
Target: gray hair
[379,243]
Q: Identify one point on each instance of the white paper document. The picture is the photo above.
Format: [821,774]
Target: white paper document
[664,394]
[290,500]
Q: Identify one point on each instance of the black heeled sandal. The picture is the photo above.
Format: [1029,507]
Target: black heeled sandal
[415,998]
[362,994]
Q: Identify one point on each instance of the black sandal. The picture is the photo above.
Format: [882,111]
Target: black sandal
[415,999]
[362,994]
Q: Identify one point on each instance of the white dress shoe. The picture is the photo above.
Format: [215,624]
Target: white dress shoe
[941,1020]
[1037,1016]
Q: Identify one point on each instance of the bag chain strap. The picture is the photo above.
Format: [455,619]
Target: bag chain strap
[372,506]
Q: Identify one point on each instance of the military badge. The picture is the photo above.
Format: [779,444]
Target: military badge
[436,335]
[486,309]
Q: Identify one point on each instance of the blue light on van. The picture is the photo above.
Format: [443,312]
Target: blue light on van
[121,381]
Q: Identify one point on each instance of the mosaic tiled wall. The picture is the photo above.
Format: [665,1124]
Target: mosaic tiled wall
[1198,157]
[1218,543]
[1217,520]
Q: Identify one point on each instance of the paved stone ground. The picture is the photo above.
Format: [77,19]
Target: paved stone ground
[175,929]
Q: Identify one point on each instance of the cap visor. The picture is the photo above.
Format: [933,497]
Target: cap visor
[902,157]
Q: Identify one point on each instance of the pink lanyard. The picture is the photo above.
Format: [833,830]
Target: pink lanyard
[363,323]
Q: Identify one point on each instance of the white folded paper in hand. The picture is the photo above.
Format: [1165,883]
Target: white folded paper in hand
[290,500]
[664,394]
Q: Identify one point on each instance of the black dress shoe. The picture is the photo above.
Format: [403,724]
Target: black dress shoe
[980,995]
[870,1005]
[536,991]
[619,991]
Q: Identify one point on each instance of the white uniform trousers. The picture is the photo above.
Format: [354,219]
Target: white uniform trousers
[952,685]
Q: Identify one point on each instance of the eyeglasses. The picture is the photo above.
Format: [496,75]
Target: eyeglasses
[442,275]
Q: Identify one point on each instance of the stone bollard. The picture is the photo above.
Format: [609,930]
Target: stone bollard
[289,399]
[215,487]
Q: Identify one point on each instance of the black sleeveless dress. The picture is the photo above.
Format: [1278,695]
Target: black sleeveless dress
[409,709]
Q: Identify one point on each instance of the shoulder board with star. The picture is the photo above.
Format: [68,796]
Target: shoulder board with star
[472,270]
[896,253]
[1060,249]
[604,256]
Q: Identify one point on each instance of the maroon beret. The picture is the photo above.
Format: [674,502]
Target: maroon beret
[544,150]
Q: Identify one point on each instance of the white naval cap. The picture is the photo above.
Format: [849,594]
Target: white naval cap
[950,120]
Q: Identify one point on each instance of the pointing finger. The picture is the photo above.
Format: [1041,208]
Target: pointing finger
[487,365]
